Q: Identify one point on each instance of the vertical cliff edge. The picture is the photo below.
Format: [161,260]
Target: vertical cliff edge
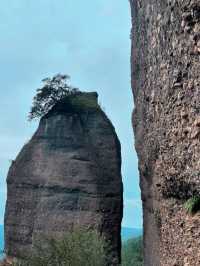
[68,175]
[166,86]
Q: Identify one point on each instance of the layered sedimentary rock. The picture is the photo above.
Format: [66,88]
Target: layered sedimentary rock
[68,175]
[166,87]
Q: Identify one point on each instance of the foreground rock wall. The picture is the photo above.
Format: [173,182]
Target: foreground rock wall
[68,175]
[166,86]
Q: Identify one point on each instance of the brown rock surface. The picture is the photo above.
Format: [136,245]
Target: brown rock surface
[166,87]
[69,174]
[7,262]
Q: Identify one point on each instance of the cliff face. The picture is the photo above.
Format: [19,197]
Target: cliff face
[166,87]
[69,174]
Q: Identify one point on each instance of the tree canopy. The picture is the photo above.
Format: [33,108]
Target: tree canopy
[53,90]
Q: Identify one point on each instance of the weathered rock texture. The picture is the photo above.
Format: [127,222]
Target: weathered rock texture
[69,174]
[166,87]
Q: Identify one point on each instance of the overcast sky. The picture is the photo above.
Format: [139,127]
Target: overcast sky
[90,41]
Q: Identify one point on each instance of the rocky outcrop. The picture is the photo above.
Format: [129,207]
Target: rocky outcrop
[166,87]
[68,175]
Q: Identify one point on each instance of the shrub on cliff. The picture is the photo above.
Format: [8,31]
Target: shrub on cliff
[53,90]
[132,254]
[192,205]
[75,249]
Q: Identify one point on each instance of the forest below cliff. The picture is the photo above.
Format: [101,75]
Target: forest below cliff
[132,254]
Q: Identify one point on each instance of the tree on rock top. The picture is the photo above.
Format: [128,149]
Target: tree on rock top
[53,90]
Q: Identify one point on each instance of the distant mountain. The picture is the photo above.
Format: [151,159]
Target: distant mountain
[132,252]
[128,233]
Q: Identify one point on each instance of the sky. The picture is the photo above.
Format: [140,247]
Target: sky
[88,40]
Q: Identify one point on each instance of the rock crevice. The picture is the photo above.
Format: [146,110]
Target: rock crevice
[166,87]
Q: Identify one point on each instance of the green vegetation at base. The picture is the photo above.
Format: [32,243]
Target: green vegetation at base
[77,248]
[132,254]
[80,248]
[192,205]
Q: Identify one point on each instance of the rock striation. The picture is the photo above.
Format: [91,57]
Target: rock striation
[68,175]
[166,120]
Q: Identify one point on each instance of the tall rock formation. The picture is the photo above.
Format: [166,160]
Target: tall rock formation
[166,87]
[69,174]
